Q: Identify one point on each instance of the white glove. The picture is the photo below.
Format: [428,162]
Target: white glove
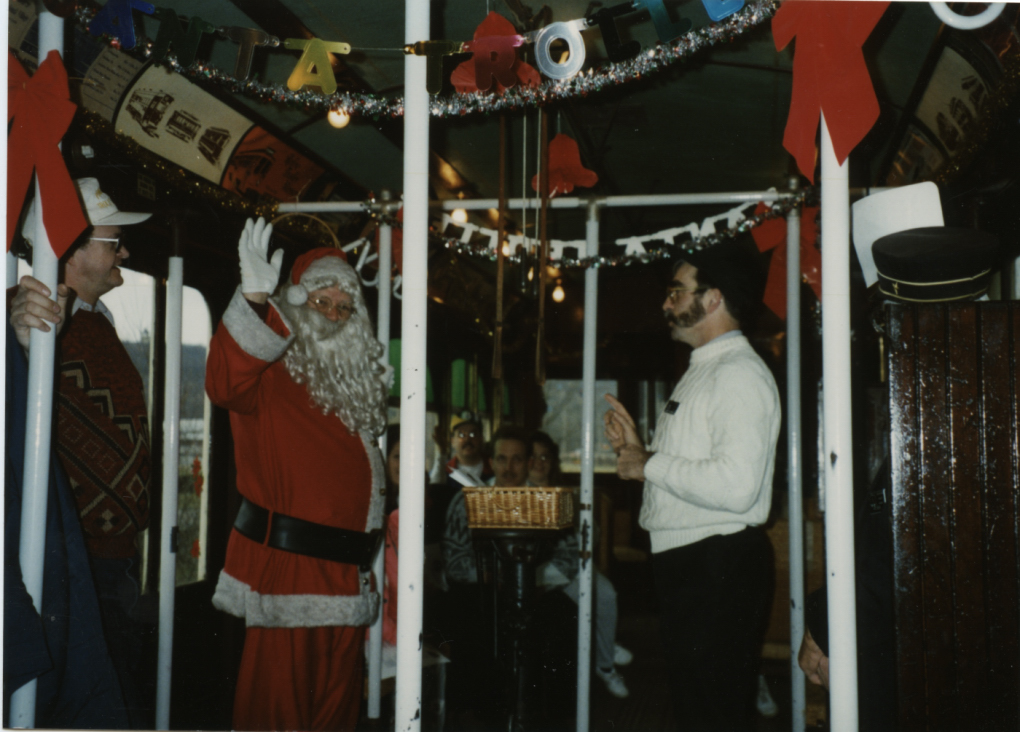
[258,272]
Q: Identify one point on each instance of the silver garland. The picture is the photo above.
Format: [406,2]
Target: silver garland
[592,81]
[780,208]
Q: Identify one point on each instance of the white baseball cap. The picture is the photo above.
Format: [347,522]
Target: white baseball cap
[99,209]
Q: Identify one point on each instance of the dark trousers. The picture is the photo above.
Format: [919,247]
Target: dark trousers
[129,625]
[714,601]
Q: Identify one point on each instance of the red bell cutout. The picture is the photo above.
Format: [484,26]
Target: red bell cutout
[565,168]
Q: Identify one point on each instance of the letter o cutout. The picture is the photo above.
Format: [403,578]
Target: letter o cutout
[571,34]
[967,22]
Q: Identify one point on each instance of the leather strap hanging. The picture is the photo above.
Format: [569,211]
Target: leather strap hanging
[497,351]
[543,254]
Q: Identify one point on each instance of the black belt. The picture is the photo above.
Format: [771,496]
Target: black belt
[305,537]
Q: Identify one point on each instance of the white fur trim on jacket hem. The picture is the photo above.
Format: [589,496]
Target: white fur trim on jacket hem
[249,332]
[294,611]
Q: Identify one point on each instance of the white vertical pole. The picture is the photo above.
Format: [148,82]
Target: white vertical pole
[38,427]
[410,563]
[12,261]
[171,460]
[838,455]
[379,565]
[795,524]
[585,530]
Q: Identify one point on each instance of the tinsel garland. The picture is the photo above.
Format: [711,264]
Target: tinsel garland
[103,134]
[178,179]
[806,196]
[457,105]
[181,180]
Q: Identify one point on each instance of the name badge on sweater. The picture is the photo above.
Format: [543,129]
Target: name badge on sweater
[672,406]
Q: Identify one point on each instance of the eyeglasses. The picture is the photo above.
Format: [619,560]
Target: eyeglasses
[117,246]
[463,435]
[324,305]
[674,291]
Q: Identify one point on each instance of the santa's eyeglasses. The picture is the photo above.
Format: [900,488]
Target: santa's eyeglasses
[324,305]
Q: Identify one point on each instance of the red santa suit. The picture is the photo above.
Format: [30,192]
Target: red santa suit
[302,665]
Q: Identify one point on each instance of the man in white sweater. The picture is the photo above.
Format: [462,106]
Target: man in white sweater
[708,489]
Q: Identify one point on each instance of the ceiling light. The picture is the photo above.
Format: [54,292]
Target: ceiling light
[459,215]
[338,118]
[558,294]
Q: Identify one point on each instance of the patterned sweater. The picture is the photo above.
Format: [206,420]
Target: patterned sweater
[103,435]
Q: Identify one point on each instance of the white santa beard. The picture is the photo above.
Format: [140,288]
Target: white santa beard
[338,362]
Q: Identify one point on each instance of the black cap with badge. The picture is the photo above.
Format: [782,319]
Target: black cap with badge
[935,264]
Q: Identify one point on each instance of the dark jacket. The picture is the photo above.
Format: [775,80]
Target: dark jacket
[64,648]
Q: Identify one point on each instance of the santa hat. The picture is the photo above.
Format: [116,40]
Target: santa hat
[319,268]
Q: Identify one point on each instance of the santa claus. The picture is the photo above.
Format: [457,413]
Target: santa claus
[301,376]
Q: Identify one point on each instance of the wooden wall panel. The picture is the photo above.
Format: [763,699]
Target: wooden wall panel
[999,396]
[954,383]
[906,518]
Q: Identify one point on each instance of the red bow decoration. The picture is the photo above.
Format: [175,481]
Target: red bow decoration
[495,59]
[829,74]
[772,235]
[42,111]
[565,168]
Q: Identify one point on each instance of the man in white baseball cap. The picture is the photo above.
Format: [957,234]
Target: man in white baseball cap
[102,433]
[91,264]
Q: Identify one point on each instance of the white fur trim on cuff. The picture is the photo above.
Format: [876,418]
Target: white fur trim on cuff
[297,295]
[294,611]
[249,332]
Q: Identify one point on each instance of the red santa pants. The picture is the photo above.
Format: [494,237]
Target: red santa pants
[300,679]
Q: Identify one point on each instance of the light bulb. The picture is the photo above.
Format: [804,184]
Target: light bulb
[558,294]
[506,249]
[459,215]
[338,118]
[531,274]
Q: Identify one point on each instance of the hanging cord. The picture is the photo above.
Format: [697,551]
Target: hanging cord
[543,255]
[497,350]
[524,184]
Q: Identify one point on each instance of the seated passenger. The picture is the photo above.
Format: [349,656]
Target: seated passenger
[562,572]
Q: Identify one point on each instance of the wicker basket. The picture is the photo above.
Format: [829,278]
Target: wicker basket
[519,508]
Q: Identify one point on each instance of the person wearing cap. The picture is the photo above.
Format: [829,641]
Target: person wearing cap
[468,448]
[708,489]
[102,431]
[301,375]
